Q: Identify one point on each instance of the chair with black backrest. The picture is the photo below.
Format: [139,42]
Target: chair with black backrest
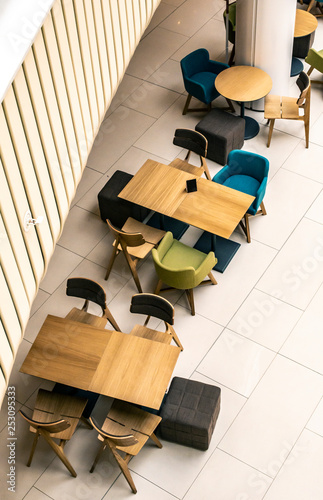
[194,142]
[126,429]
[199,73]
[55,416]
[157,307]
[91,291]
[135,240]
[290,108]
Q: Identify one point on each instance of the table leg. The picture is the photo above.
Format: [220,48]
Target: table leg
[252,126]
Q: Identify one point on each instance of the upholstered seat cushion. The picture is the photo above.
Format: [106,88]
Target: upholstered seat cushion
[189,413]
[180,256]
[244,183]
[206,79]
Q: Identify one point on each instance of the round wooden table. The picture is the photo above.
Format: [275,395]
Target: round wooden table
[304,32]
[244,84]
[305,23]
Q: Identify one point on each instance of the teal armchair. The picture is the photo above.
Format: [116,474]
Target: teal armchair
[246,172]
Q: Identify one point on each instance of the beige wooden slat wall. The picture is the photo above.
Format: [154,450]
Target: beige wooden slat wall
[49,118]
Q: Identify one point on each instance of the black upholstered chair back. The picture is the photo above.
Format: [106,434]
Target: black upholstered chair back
[152,305]
[87,289]
[303,83]
[191,140]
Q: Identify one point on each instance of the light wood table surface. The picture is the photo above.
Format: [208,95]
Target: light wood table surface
[162,188]
[305,23]
[214,208]
[244,84]
[106,362]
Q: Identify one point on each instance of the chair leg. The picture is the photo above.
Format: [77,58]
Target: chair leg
[156,440]
[310,5]
[190,298]
[206,170]
[111,319]
[99,453]
[158,287]
[230,105]
[262,207]
[232,55]
[133,269]
[59,452]
[33,448]
[271,127]
[307,131]
[246,220]
[172,332]
[113,256]
[124,469]
[187,103]
[212,278]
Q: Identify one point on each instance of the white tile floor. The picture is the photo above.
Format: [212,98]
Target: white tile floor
[257,335]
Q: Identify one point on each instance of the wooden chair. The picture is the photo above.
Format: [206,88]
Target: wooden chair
[314,3]
[135,240]
[288,108]
[91,291]
[126,429]
[194,142]
[157,307]
[55,416]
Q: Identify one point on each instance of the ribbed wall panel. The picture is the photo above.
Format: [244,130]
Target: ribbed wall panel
[48,121]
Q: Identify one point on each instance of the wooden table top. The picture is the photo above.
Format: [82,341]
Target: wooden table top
[162,188]
[107,362]
[305,23]
[243,83]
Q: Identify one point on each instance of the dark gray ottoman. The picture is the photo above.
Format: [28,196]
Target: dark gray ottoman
[116,209]
[189,413]
[224,133]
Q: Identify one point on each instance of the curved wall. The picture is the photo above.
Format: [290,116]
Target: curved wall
[49,117]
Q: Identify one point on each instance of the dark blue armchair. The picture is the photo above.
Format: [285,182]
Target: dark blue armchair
[199,74]
[246,172]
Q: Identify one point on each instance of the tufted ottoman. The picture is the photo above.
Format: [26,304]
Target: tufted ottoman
[116,209]
[189,413]
[224,133]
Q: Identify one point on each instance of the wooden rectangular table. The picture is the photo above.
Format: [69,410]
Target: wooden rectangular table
[106,362]
[214,208]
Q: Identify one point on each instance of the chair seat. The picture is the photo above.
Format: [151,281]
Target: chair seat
[277,107]
[207,79]
[84,317]
[244,183]
[150,234]
[148,333]
[187,167]
[50,407]
[180,256]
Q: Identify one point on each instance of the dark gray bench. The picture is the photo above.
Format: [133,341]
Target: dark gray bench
[114,208]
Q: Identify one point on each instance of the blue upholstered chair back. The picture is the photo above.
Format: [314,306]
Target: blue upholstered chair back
[246,172]
[195,62]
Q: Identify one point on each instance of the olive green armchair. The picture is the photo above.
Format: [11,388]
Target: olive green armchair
[315,60]
[182,267]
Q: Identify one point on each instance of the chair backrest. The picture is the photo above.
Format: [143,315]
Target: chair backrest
[152,305]
[87,289]
[51,427]
[303,83]
[191,140]
[232,21]
[244,162]
[126,239]
[315,59]
[195,62]
[124,440]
